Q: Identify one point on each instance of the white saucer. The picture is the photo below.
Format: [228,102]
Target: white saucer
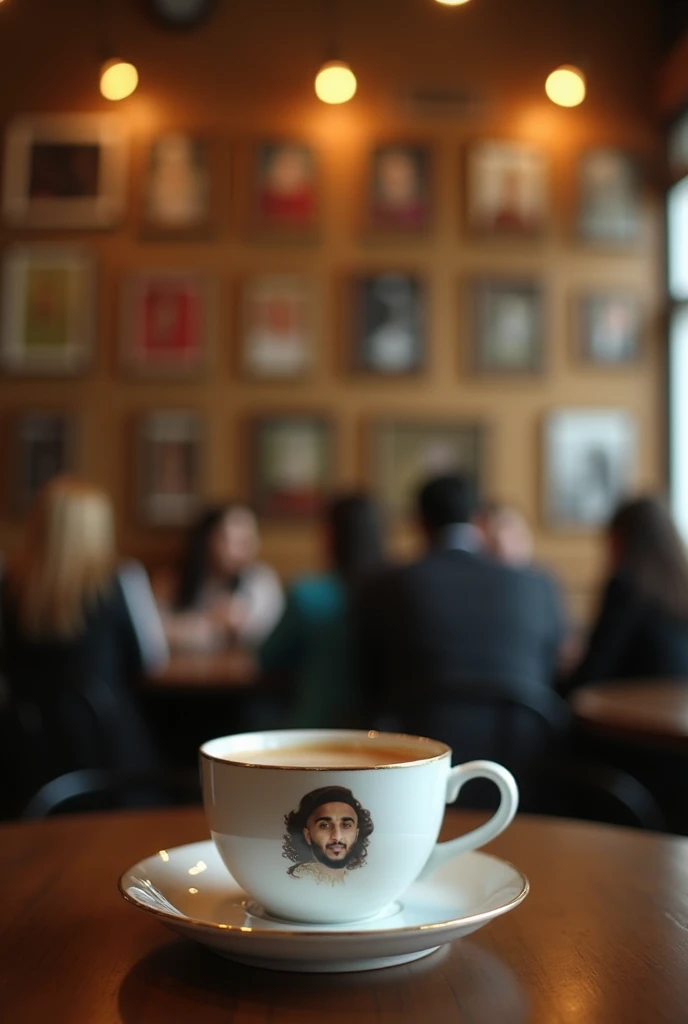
[189,889]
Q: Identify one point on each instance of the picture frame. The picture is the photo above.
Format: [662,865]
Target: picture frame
[406,453]
[507,189]
[47,325]
[610,198]
[293,460]
[399,193]
[278,330]
[589,461]
[609,327]
[65,171]
[677,146]
[169,461]
[389,323]
[167,322]
[285,189]
[508,326]
[176,199]
[45,445]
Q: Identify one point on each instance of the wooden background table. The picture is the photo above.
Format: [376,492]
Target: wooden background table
[601,939]
[233,669]
[654,713]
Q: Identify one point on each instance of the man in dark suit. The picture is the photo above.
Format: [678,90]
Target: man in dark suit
[456,616]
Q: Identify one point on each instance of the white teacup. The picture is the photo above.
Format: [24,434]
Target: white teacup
[333,825]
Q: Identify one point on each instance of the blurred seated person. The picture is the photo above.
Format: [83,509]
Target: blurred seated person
[312,641]
[457,615]
[506,534]
[223,594]
[641,630]
[76,626]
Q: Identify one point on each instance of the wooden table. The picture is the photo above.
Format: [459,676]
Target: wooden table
[220,670]
[647,712]
[601,939]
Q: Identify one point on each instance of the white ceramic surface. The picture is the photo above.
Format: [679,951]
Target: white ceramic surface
[280,840]
[188,889]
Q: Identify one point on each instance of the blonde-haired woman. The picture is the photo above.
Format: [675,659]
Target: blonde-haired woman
[76,627]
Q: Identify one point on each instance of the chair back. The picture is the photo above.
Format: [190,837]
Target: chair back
[76,727]
[494,721]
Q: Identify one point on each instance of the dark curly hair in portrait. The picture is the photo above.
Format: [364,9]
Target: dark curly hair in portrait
[295,846]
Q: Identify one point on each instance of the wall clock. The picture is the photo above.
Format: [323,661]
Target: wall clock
[181,13]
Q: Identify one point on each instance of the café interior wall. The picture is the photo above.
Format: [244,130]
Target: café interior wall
[248,75]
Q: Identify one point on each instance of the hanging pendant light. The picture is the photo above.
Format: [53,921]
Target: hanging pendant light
[335,82]
[565,86]
[118,79]
[452,3]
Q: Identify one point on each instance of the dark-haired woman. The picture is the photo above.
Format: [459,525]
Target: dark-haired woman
[312,642]
[641,629]
[224,594]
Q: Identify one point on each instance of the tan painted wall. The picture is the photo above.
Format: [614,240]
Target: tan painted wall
[248,74]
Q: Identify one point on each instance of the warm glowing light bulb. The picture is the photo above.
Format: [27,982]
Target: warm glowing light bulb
[566,86]
[452,3]
[335,82]
[118,79]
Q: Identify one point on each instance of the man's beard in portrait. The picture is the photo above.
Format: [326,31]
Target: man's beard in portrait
[322,856]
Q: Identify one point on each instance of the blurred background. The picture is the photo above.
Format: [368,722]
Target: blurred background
[174,260]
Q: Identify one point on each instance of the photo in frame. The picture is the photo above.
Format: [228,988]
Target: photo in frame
[47,325]
[609,328]
[44,446]
[285,188]
[508,326]
[677,146]
[405,454]
[167,322]
[177,184]
[292,465]
[589,465]
[65,171]
[507,189]
[278,326]
[169,445]
[389,323]
[610,197]
[399,189]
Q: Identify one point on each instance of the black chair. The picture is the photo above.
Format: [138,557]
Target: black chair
[530,734]
[92,789]
[75,746]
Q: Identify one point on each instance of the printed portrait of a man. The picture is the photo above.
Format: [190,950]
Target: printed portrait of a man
[327,835]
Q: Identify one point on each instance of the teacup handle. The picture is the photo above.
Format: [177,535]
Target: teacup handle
[502,817]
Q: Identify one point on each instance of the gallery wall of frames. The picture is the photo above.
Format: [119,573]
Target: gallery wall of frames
[188,314]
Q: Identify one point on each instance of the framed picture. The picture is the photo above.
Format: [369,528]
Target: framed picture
[508,326]
[609,328]
[66,171]
[167,320]
[589,464]
[285,183]
[610,197]
[293,466]
[507,189]
[169,467]
[45,445]
[399,191]
[176,195]
[407,454]
[677,146]
[278,329]
[48,310]
[389,323]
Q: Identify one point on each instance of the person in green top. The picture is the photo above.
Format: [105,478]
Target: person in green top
[313,642]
